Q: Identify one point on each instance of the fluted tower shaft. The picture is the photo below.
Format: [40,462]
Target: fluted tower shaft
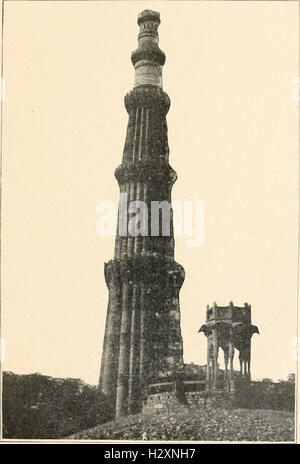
[143,342]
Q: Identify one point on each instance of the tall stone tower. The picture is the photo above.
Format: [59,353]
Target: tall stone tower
[143,342]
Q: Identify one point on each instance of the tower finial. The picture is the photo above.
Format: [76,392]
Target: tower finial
[148,59]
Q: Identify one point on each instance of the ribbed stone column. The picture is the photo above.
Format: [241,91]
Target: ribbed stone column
[104,349]
[134,359]
[138,239]
[123,371]
[131,238]
[112,333]
[143,344]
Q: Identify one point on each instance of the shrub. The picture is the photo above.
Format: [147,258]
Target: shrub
[38,406]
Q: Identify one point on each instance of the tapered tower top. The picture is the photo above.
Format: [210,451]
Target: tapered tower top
[148,59]
[149,15]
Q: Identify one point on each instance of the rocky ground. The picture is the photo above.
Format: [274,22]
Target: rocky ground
[194,423]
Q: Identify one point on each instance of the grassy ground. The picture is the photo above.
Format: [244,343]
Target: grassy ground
[206,423]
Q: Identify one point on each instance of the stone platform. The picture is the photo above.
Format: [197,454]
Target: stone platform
[243,394]
[166,397]
[167,402]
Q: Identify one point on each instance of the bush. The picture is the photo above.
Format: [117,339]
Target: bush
[38,406]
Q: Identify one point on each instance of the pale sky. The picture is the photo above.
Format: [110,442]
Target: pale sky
[233,143]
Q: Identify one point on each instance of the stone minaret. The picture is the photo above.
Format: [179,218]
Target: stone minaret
[143,342]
